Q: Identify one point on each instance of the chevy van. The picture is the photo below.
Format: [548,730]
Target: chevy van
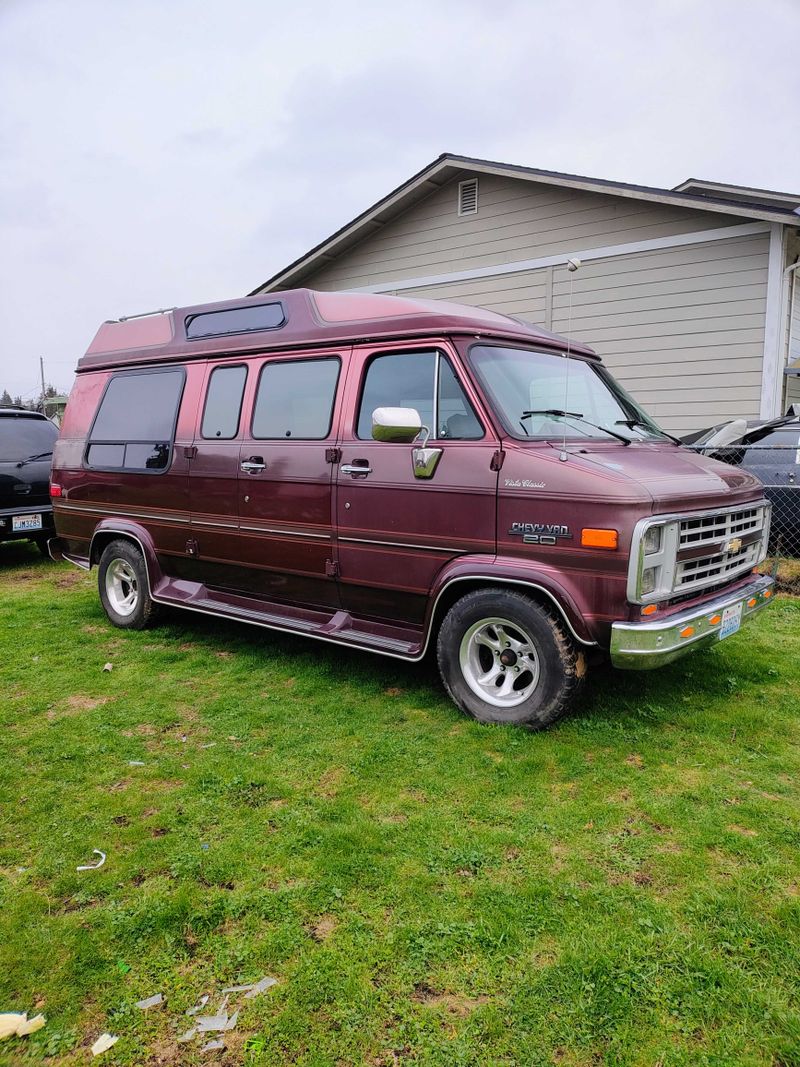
[399,475]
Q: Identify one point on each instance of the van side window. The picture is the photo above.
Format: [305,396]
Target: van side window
[134,427]
[223,403]
[295,399]
[409,380]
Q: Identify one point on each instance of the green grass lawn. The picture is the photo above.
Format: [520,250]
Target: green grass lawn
[623,889]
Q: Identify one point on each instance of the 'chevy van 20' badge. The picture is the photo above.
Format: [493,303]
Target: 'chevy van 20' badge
[539,533]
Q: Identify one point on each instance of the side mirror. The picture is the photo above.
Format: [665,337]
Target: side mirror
[399,425]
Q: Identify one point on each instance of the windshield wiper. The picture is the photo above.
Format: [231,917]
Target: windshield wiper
[30,459]
[633,423]
[576,415]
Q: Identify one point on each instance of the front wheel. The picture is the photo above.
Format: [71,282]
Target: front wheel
[504,658]
[122,581]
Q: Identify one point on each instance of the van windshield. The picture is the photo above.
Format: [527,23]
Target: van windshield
[536,397]
[23,438]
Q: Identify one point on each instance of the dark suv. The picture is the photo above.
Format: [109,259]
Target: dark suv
[26,450]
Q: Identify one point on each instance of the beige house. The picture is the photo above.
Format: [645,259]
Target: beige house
[688,294]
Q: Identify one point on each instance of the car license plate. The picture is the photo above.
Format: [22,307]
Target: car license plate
[731,621]
[26,522]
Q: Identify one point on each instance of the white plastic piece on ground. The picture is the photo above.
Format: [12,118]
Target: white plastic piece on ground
[108,667]
[238,988]
[150,1002]
[103,1044]
[17,1024]
[261,987]
[93,866]
[136,763]
[208,1023]
[213,1046]
[187,1035]
[30,1026]
[229,1025]
[199,1005]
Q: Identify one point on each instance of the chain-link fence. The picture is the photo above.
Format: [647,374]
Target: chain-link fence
[778,467]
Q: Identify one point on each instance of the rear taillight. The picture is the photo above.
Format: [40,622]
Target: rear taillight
[55,490]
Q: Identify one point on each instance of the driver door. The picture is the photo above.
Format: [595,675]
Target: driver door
[395,530]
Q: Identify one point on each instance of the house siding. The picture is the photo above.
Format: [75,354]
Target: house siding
[516,220]
[681,328]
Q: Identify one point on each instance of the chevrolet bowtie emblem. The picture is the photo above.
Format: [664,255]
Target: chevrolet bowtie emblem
[733,545]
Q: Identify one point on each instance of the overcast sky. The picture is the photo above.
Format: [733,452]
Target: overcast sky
[162,152]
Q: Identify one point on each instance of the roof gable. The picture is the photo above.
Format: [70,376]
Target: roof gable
[449,166]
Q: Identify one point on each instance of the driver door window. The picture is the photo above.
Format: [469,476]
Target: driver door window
[426,382]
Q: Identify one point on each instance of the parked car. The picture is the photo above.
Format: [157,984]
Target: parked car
[395,475]
[769,449]
[26,447]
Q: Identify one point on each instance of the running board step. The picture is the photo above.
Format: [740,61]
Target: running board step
[332,625]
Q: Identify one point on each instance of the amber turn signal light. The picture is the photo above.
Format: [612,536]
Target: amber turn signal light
[651,609]
[715,619]
[591,538]
[687,631]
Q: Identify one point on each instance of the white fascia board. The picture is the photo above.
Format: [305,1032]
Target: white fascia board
[772,362]
[675,199]
[609,251]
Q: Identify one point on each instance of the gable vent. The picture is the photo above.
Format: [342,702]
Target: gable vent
[468,197]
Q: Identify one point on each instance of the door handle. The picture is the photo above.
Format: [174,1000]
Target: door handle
[253,465]
[358,467]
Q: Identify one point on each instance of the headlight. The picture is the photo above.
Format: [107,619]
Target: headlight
[652,540]
[648,582]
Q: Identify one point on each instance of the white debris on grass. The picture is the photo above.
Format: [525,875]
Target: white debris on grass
[261,987]
[187,1035]
[103,1044]
[199,1005]
[136,763]
[208,1023]
[213,1046]
[108,667]
[93,866]
[150,1002]
[17,1024]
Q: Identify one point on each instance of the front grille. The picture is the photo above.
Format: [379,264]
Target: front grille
[723,532]
[698,573]
[708,529]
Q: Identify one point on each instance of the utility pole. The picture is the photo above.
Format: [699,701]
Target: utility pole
[41,370]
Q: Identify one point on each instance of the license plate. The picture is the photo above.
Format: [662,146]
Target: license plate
[26,522]
[731,621]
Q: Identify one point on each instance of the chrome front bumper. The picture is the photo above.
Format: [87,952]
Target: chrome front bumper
[644,645]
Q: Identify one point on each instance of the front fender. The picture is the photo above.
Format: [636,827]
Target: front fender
[489,570]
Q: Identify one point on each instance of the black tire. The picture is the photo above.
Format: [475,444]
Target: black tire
[41,544]
[123,586]
[545,667]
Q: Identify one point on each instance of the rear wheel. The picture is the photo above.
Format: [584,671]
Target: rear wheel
[41,544]
[124,592]
[504,658]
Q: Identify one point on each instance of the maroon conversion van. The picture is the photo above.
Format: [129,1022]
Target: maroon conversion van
[393,475]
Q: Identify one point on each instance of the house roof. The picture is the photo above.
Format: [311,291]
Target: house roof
[301,319]
[694,193]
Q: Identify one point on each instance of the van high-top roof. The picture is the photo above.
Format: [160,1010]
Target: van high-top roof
[297,318]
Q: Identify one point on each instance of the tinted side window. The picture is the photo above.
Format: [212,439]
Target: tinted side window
[135,424]
[408,380]
[295,399]
[223,402]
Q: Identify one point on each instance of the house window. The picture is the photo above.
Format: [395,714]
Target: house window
[134,427]
[468,197]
